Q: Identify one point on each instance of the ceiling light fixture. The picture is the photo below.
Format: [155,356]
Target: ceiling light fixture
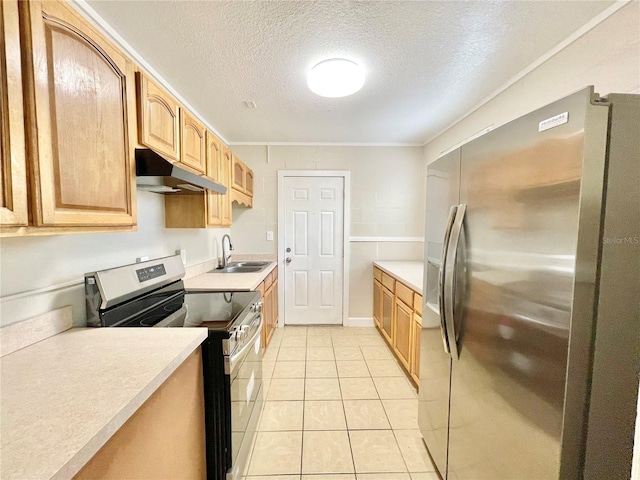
[336,77]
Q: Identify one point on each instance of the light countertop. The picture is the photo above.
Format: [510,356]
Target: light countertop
[228,282]
[64,397]
[410,273]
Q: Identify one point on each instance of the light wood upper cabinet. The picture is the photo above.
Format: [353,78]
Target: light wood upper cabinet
[225,179]
[242,182]
[248,182]
[205,210]
[192,142]
[238,174]
[214,200]
[158,119]
[81,120]
[13,176]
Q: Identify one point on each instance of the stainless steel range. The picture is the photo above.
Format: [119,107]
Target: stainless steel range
[152,294]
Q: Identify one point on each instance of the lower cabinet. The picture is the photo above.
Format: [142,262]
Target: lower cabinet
[377,303]
[165,438]
[275,316]
[402,340]
[267,314]
[416,334]
[397,313]
[269,292]
[387,315]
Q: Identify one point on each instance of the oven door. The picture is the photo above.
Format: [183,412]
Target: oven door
[246,399]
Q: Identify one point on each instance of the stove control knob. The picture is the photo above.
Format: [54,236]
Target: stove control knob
[256,307]
[238,334]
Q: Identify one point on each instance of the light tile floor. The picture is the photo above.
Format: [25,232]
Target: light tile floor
[337,407]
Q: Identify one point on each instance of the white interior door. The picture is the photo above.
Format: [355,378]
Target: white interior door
[313,250]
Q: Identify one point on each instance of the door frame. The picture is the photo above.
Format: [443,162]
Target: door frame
[346,206]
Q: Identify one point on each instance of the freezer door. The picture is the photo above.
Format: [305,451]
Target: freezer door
[521,184]
[443,177]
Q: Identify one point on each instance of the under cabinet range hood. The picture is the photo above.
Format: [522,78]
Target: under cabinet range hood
[156,174]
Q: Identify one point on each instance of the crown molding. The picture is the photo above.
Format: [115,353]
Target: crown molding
[590,25]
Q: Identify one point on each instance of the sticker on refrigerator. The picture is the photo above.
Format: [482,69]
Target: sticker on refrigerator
[553,122]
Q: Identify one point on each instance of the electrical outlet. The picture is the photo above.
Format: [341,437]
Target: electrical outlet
[270,235]
[183,254]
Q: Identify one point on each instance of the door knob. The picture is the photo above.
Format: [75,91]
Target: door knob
[288,260]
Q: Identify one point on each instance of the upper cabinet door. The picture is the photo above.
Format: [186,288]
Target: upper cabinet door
[158,119]
[214,201]
[214,154]
[193,142]
[248,181]
[225,179]
[82,121]
[13,180]
[238,174]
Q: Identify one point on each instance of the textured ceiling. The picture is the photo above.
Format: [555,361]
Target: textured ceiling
[427,62]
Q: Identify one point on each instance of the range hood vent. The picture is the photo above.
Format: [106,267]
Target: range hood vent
[158,175]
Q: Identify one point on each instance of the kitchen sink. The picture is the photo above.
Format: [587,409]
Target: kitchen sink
[242,267]
[249,264]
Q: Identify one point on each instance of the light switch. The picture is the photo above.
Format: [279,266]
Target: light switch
[270,235]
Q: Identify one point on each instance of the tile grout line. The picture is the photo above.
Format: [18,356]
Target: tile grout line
[346,423]
[334,361]
[304,402]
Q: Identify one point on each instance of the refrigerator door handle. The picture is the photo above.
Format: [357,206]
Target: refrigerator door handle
[441,277]
[449,288]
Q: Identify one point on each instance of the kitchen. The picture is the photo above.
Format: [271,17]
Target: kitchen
[42,273]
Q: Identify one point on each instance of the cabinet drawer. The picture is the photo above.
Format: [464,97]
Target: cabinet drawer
[417,303]
[389,282]
[405,294]
[377,274]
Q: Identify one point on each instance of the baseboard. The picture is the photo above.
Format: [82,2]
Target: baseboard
[359,322]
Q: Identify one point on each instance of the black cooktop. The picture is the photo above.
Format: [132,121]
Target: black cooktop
[172,306]
[216,310]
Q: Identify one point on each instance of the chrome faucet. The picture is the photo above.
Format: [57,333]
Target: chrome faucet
[225,256]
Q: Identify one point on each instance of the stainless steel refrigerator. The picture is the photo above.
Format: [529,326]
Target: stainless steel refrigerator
[530,345]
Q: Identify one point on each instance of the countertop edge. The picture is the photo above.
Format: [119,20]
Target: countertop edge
[86,453]
[416,288]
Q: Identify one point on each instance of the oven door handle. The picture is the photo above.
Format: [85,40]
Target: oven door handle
[232,360]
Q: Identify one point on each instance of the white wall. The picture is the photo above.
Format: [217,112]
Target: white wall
[387,200]
[35,263]
[607,57]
